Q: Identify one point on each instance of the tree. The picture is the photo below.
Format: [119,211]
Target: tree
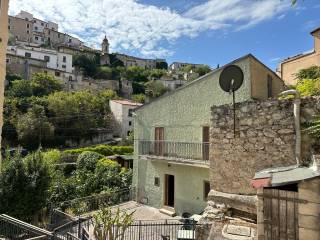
[202,69]
[24,185]
[86,64]
[309,87]
[43,84]
[106,221]
[162,65]
[155,89]
[104,73]
[156,73]
[77,114]
[34,127]
[312,72]
[136,73]
[20,89]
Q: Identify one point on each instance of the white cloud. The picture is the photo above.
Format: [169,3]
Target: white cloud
[146,29]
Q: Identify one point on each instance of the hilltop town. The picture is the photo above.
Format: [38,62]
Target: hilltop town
[100,145]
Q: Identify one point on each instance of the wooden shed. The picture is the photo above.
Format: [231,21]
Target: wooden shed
[288,203]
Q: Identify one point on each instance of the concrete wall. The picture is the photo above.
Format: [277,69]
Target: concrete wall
[182,113]
[4,4]
[189,186]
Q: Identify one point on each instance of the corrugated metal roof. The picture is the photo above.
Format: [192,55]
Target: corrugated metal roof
[287,175]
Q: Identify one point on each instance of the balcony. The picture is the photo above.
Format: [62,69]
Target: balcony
[171,151]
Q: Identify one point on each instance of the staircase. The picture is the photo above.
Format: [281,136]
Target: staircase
[169,211]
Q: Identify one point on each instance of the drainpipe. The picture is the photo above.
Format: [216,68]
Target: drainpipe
[296,113]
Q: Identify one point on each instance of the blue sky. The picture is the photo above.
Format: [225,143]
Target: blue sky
[200,31]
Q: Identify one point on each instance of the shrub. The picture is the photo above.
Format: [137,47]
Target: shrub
[105,150]
[88,160]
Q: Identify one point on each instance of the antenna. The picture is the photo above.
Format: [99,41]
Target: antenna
[230,80]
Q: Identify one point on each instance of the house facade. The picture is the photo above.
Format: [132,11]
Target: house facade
[171,149]
[55,60]
[292,65]
[122,111]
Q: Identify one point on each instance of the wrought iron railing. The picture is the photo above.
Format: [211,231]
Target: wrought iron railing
[160,230]
[177,150]
[11,228]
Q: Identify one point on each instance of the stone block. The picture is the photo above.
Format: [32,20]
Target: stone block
[308,234]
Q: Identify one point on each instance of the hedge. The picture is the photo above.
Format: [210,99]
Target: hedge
[105,150]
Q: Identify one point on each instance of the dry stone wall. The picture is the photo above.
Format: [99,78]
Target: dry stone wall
[264,137]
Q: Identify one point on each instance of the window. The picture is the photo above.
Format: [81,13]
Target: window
[36,28]
[70,78]
[36,38]
[128,133]
[130,112]
[47,58]
[70,40]
[34,21]
[42,24]
[7,60]
[64,66]
[57,74]
[130,123]
[28,25]
[45,71]
[269,86]
[58,35]
[28,31]
[157,181]
[9,27]
[206,190]
[27,54]
[64,59]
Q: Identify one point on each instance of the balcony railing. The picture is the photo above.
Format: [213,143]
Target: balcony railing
[175,150]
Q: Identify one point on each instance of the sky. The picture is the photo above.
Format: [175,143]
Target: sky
[198,31]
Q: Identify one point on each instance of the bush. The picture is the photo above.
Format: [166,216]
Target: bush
[88,160]
[309,87]
[105,150]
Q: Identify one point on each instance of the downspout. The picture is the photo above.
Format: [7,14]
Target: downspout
[296,113]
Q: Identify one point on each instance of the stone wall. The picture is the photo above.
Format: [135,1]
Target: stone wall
[264,137]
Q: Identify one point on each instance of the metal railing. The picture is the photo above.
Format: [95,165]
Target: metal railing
[177,150]
[12,228]
[160,230]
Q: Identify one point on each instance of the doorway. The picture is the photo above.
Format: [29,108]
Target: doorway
[169,190]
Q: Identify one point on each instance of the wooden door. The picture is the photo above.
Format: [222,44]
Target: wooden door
[280,209]
[205,143]
[159,141]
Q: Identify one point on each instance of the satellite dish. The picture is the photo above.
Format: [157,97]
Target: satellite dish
[230,80]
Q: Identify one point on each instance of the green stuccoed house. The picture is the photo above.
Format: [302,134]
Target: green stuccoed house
[171,147]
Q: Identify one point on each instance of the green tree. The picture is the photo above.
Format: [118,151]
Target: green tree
[136,73]
[20,89]
[104,72]
[202,69]
[24,185]
[156,73]
[44,84]
[77,114]
[34,127]
[309,87]
[86,64]
[312,72]
[155,89]
[105,220]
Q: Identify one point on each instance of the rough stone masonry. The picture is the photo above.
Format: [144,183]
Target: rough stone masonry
[264,137]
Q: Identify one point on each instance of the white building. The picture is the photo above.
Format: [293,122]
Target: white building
[122,111]
[38,24]
[55,60]
[177,66]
